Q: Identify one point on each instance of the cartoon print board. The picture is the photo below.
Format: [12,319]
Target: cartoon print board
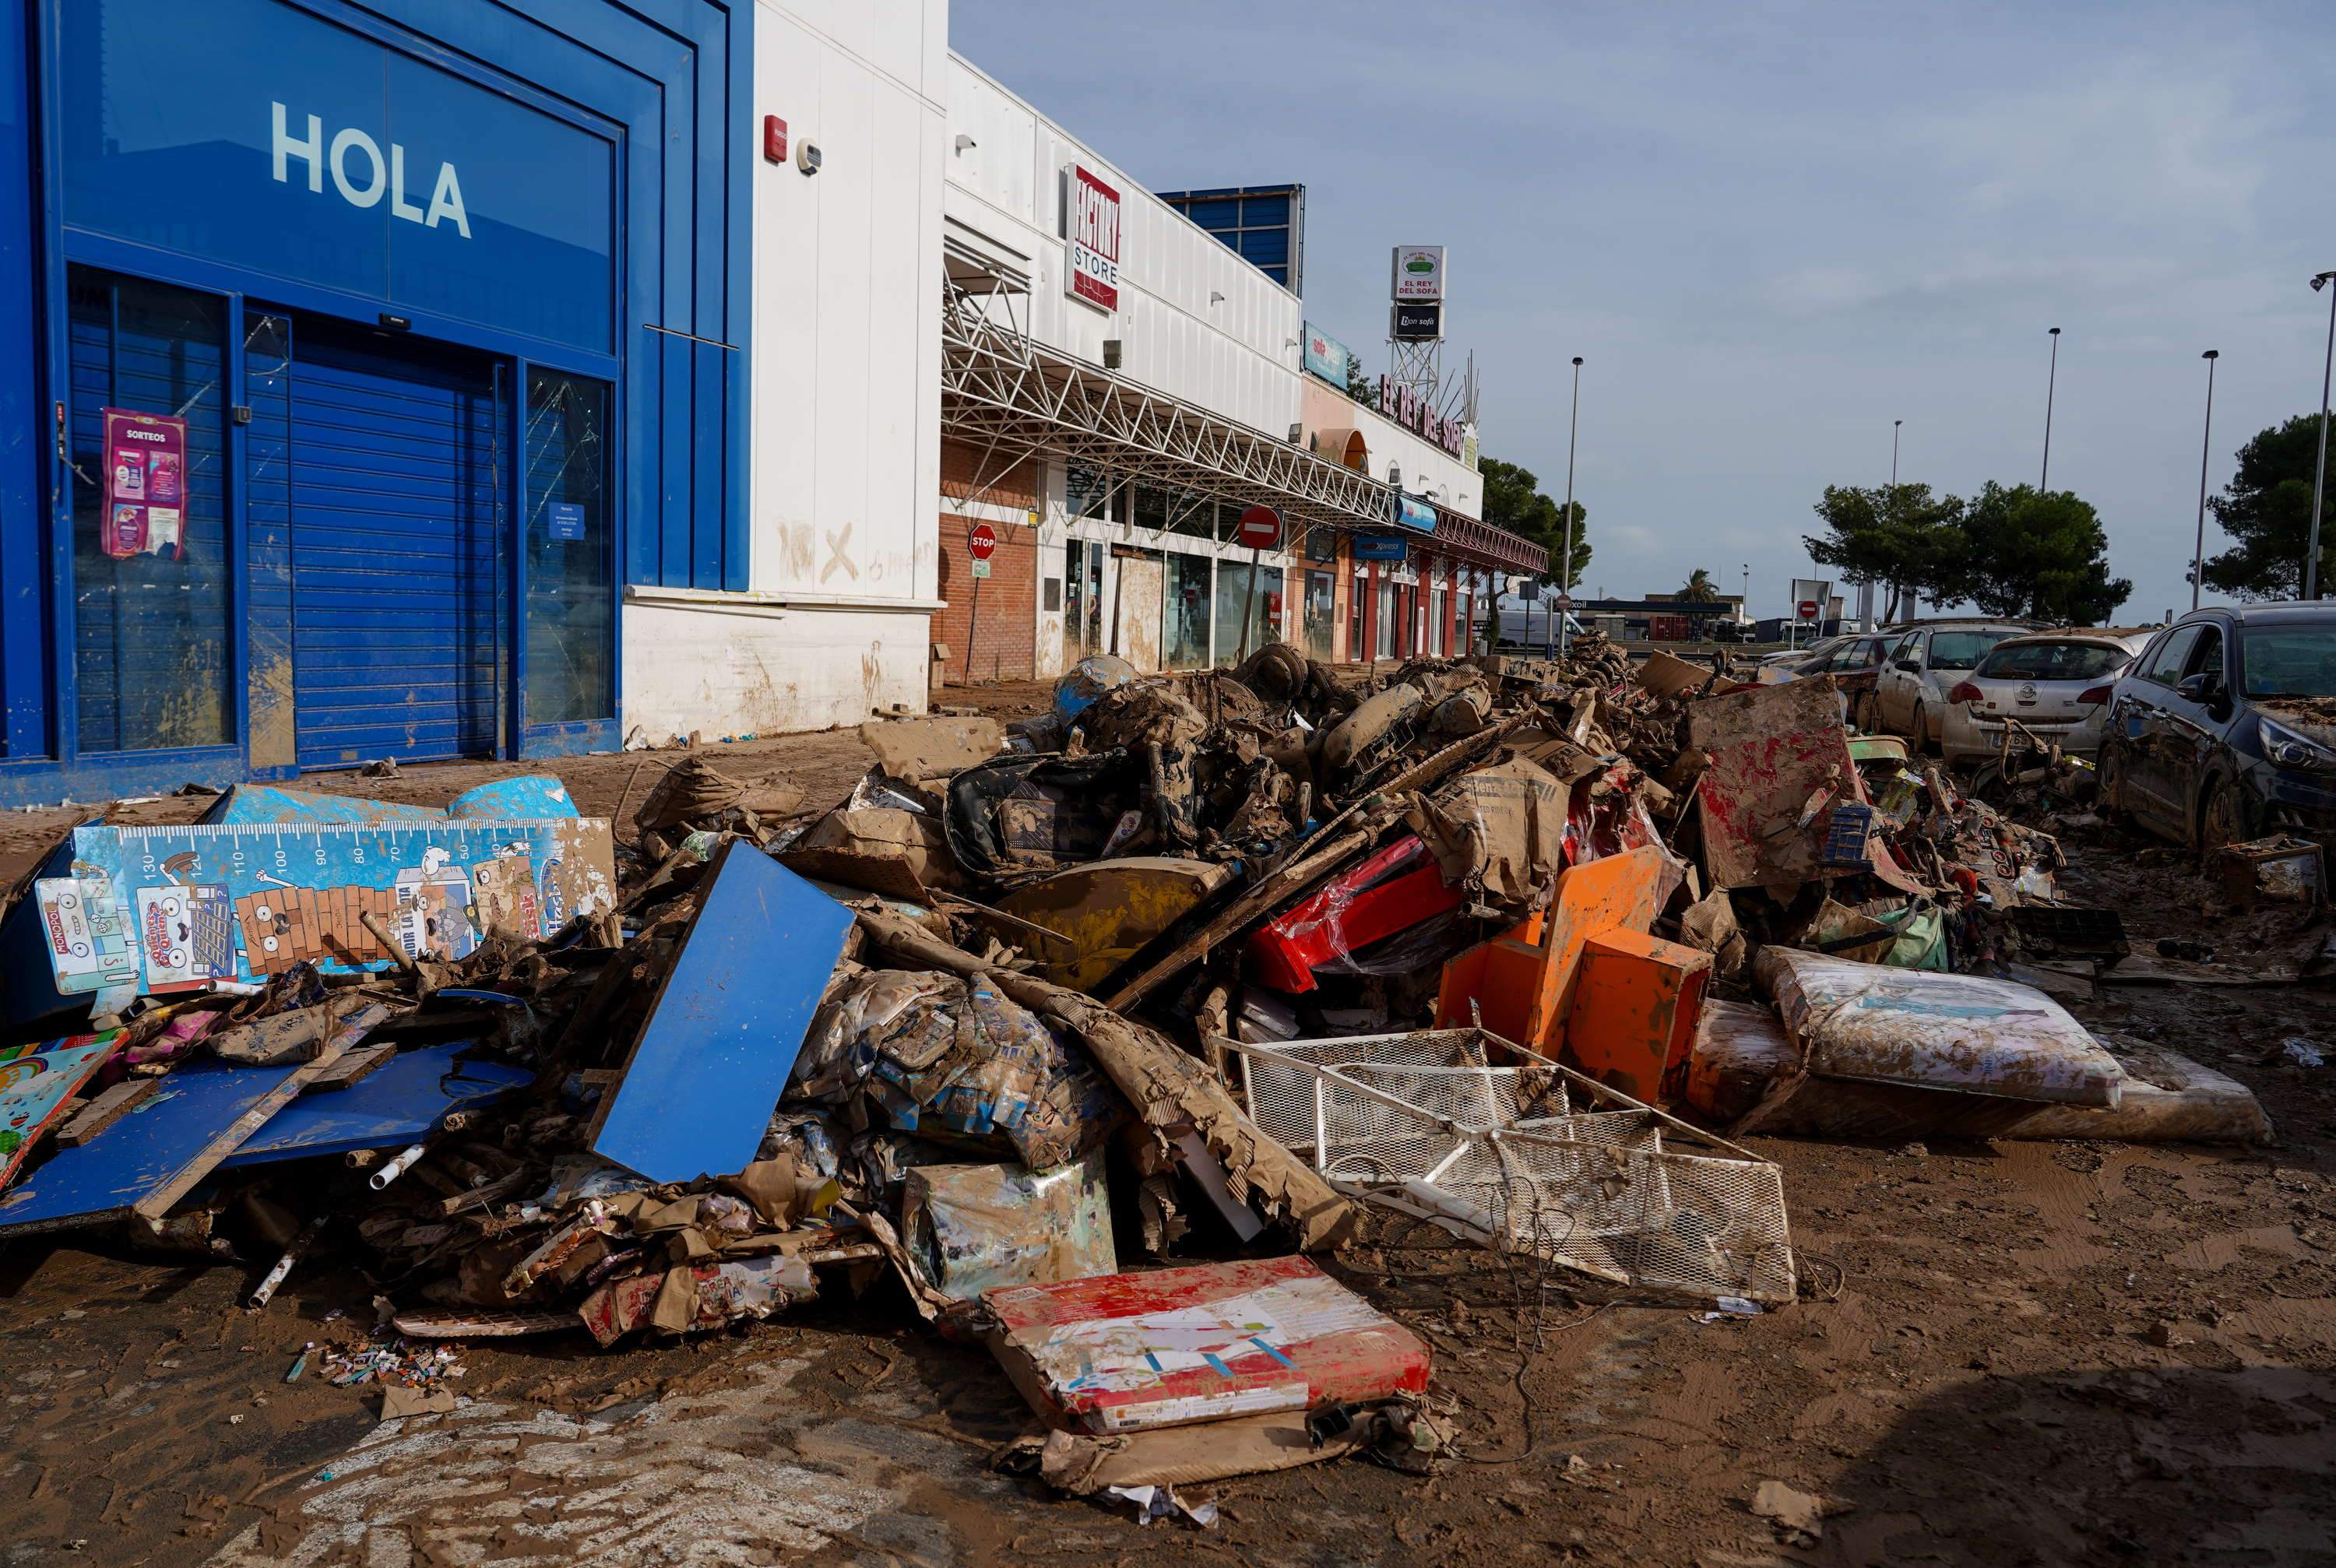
[176,908]
[35,1082]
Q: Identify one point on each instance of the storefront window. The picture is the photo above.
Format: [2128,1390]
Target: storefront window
[152,607]
[1358,598]
[1235,598]
[1438,627]
[1321,543]
[1386,619]
[1189,599]
[571,602]
[1321,614]
[1086,492]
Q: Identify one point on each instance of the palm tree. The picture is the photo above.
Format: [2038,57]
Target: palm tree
[1699,588]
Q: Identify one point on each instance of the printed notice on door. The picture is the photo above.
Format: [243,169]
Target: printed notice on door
[145,484]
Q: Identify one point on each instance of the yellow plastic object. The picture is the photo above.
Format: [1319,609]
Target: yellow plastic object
[1106,911]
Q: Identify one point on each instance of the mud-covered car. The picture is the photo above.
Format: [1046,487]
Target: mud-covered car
[2053,683]
[2225,728]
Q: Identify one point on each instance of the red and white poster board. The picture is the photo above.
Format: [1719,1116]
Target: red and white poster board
[1172,1347]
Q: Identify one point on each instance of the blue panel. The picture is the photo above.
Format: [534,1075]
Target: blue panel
[25,668]
[397,1104]
[723,1035]
[292,145]
[1261,211]
[397,558]
[1266,247]
[1215,214]
[140,1154]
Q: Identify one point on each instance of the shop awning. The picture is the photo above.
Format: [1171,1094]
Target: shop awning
[1010,397]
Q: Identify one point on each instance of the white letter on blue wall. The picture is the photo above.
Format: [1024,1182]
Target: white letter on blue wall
[312,149]
[446,201]
[370,195]
[399,206]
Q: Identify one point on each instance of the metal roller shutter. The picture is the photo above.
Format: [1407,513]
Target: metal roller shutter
[399,576]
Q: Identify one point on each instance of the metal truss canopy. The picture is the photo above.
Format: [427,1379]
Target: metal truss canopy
[1011,398]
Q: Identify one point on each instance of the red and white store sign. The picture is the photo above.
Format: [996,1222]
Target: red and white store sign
[1090,238]
[1403,405]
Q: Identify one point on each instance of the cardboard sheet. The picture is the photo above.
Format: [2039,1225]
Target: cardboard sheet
[728,1021]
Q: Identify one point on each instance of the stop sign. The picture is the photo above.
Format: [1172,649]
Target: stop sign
[1808,609]
[981,541]
[1261,528]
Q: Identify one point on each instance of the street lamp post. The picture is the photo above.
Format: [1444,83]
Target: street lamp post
[2320,474]
[1565,562]
[2205,445]
[2051,381]
[1896,425]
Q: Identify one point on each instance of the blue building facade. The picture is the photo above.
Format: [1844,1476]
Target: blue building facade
[434,317]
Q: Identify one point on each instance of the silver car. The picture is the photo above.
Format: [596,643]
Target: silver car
[2055,684]
[1910,699]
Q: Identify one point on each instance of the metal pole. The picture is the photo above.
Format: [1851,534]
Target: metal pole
[2320,474]
[1565,562]
[2051,380]
[2205,446]
[1249,600]
[973,611]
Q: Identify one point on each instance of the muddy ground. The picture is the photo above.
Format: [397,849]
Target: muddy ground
[2012,1353]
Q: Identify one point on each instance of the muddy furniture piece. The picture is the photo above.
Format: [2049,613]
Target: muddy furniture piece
[1634,1011]
[1520,985]
[1872,1023]
[1526,1157]
[1780,762]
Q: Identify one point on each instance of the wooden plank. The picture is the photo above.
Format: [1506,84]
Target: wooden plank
[158,1203]
[354,1066]
[106,1109]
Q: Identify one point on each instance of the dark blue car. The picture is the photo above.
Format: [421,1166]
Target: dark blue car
[2225,728]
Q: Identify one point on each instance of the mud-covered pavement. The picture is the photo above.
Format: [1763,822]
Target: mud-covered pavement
[2009,1353]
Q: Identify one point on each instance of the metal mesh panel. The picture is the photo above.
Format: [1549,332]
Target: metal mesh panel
[1530,1158]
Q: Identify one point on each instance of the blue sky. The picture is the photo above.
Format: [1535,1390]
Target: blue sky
[1770,230]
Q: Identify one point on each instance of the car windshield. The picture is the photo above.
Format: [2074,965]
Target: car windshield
[2291,660]
[2052,661]
[1962,649]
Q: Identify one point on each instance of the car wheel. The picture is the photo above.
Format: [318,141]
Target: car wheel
[2222,818]
[1919,732]
[2108,784]
[1868,712]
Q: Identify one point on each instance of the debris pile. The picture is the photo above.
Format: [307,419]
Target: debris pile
[1190,967]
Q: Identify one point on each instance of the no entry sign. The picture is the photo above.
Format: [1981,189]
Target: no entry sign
[981,541]
[1261,528]
[1808,609]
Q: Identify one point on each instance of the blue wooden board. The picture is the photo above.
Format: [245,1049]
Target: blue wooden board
[394,1105]
[723,1035]
[141,1153]
[528,797]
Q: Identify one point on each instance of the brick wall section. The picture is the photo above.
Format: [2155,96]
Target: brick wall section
[1005,631]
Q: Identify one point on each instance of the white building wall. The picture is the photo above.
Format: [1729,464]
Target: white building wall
[843,388]
[1194,320]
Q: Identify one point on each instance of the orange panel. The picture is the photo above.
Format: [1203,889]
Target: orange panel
[1523,982]
[1634,1011]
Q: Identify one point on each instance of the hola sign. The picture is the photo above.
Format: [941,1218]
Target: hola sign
[1090,238]
[360,175]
